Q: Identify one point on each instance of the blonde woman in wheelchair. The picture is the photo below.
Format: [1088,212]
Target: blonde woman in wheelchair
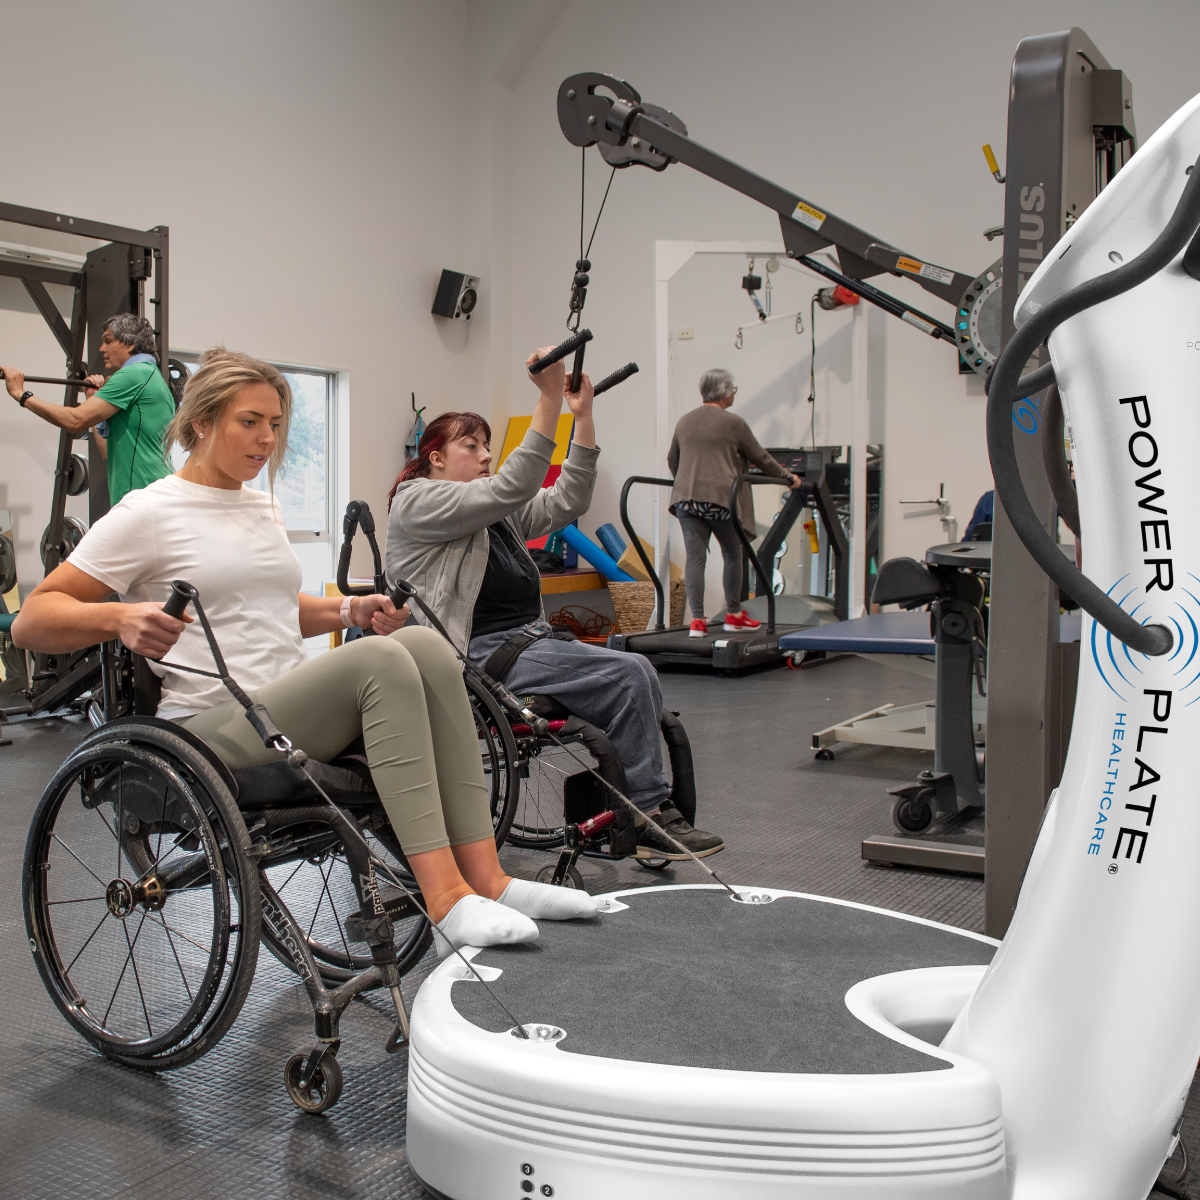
[402,692]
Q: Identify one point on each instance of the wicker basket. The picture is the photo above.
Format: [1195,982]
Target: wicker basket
[634,603]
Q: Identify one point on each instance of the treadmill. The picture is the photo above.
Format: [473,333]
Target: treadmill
[730,652]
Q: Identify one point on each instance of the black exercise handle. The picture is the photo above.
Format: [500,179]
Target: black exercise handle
[562,350]
[1183,224]
[54,379]
[359,514]
[611,381]
[577,371]
[182,594]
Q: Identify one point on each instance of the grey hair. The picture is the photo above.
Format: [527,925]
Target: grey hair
[135,332]
[716,385]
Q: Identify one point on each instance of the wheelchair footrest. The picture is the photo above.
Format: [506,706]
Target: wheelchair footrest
[399,908]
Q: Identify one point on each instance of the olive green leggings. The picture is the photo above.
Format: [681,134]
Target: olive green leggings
[405,695]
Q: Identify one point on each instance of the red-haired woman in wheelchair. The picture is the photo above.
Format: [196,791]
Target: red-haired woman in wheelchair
[458,534]
[402,692]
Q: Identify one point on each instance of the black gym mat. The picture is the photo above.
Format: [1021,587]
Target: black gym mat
[692,978]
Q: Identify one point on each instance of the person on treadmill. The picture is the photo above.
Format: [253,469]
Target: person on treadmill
[135,404]
[458,534]
[710,449]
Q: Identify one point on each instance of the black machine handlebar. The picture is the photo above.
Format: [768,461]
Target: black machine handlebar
[611,381]
[182,594]
[574,342]
[636,542]
[1004,392]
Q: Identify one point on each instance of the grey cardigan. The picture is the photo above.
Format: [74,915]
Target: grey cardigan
[437,530]
[710,449]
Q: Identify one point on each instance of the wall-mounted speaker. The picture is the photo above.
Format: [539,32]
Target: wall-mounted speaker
[457,296]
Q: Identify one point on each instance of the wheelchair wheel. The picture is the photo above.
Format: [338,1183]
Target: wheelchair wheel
[501,759]
[141,904]
[319,893]
[538,820]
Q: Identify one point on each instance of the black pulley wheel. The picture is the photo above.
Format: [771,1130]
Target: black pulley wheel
[913,814]
[73,530]
[77,475]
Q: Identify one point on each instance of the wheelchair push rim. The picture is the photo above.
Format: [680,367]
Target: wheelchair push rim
[133,889]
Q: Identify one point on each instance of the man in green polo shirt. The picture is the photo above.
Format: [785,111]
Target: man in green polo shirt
[135,402]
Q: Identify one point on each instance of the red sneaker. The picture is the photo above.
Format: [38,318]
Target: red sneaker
[699,628]
[740,622]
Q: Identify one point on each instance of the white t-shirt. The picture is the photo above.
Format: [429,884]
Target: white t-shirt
[231,546]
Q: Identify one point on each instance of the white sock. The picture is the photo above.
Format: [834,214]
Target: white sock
[478,921]
[545,902]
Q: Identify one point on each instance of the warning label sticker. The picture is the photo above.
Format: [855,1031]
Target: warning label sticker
[923,326]
[924,270]
[814,218]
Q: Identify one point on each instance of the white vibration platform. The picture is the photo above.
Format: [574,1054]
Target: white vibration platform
[689,1047]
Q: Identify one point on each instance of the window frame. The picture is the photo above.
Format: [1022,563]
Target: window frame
[332,382]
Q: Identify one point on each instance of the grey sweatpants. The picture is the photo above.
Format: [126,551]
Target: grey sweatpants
[696,533]
[405,695]
[615,691]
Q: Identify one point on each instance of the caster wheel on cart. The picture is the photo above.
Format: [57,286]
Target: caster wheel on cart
[323,1091]
[913,814]
[824,755]
[573,879]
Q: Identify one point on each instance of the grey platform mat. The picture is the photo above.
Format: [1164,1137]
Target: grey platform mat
[691,978]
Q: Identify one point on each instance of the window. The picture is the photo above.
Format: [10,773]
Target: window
[304,485]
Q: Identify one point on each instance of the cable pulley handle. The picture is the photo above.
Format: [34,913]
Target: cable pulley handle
[577,371]
[182,594]
[611,381]
[562,350]
[358,514]
[1004,392]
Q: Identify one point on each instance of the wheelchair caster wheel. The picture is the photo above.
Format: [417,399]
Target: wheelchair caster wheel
[824,755]
[573,879]
[913,814]
[325,1089]
[652,864]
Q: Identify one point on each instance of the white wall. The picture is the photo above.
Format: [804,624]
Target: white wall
[320,162]
[308,158]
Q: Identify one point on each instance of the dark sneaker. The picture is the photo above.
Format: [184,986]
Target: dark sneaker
[652,844]
[700,843]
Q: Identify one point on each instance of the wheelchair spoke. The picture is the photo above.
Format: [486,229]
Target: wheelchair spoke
[124,968]
[170,929]
[279,889]
[171,942]
[67,969]
[137,979]
[78,900]
[79,860]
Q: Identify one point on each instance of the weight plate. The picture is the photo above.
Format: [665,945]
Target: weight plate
[177,376]
[77,475]
[8,564]
[73,531]
[977,322]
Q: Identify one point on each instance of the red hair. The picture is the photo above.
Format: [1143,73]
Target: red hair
[449,427]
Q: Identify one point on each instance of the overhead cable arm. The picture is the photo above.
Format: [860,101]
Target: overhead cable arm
[629,132]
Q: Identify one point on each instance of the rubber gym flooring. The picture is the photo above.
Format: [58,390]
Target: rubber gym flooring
[75,1125]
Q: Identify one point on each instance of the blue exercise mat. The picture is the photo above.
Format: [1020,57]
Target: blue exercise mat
[879,633]
[889,633]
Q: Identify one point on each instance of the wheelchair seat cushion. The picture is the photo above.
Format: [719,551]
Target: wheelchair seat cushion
[346,780]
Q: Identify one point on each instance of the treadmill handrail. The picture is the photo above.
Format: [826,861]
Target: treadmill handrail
[763,579]
[636,542]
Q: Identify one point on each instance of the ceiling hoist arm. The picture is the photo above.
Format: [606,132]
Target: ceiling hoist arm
[630,132]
